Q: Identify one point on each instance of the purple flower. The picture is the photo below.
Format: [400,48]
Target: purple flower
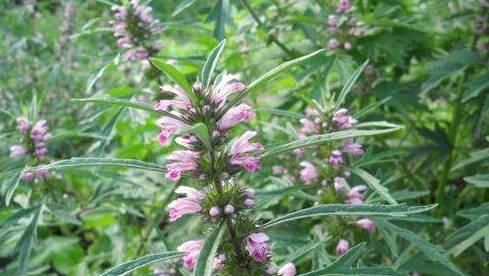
[352,147]
[333,43]
[344,5]
[190,204]
[17,151]
[308,174]
[332,20]
[191,250]
[240,152]
[27,176]
[42,174]
[257,246]
[229,209]
[356,195]
[342,247]
[336,158]
[366,224]
[287,270]
[339,183]
[215,211]
[236,115]
[168,126]
[308,126]
[342,119]
[347,45]
[219,262]
[23,124]
[182,161]
[227,84]
[181,101]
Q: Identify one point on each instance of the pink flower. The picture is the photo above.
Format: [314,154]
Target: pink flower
[342,247]
[277,169]
[229,209]
[309,173]
[42,174]
[219,262]
[342,119]
[257,246]
[214,211]
[191,250]
[40,131]
[356,195]
[332,20]
[336,158]
[182,161]
[226,85]
[333,43]
[308,126]
[347,45]
[169,126]
[366,224]
[344,5]
[23,124]
[190,204]
[287,270]
[300,152]
[236,115]
[186,141]
[17,151]
[27,176]
[352,147]
[339,183]
[181,100]
[240,150]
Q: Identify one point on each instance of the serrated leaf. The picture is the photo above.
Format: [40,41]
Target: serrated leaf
[478,180]
[208,252]
[374,184]
[320,139]
[399,210]
[95,162]
[127,267]
[430,250]
[468,235]
[211,63]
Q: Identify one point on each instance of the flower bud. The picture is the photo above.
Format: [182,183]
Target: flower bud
[249,203]
[215,211]
[229,209]
[198,87]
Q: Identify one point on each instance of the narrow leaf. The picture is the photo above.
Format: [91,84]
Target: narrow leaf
[211,63]
[127,267]
[176,76]
[208,252]
[374,184]
[349,84]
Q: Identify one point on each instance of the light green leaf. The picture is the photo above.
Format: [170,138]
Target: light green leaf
[176,76]
[200,129]
[479,180]
[208,252]
[430,250]
[26,242]
[468,235]
[183,6]
[399,210]
[474,157]
[344,261]
[320,139]
[349,84]
[211,63]
[98,162]
[127,267]
[374,184]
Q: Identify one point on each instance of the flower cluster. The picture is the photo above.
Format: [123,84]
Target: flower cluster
[327,166]
[135,28]
[214,161]
[343,26]
[33,144]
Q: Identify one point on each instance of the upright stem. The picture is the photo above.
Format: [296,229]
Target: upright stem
[272,37]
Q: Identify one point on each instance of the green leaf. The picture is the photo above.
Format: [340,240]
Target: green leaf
[125,103]
[448,66]
[479,180]
[16,216]
[211,63]
[183,6]
[208,252]
[98,162]
[430,250]
[399,210]
[374,184]
[303,251]
[176,76]
[320,139]
[475,86]
[220,14]
[10,188]
[342,262]
[349,84]
[201,130]
[468,235]
[127,267]
[474,157]
[26,242]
